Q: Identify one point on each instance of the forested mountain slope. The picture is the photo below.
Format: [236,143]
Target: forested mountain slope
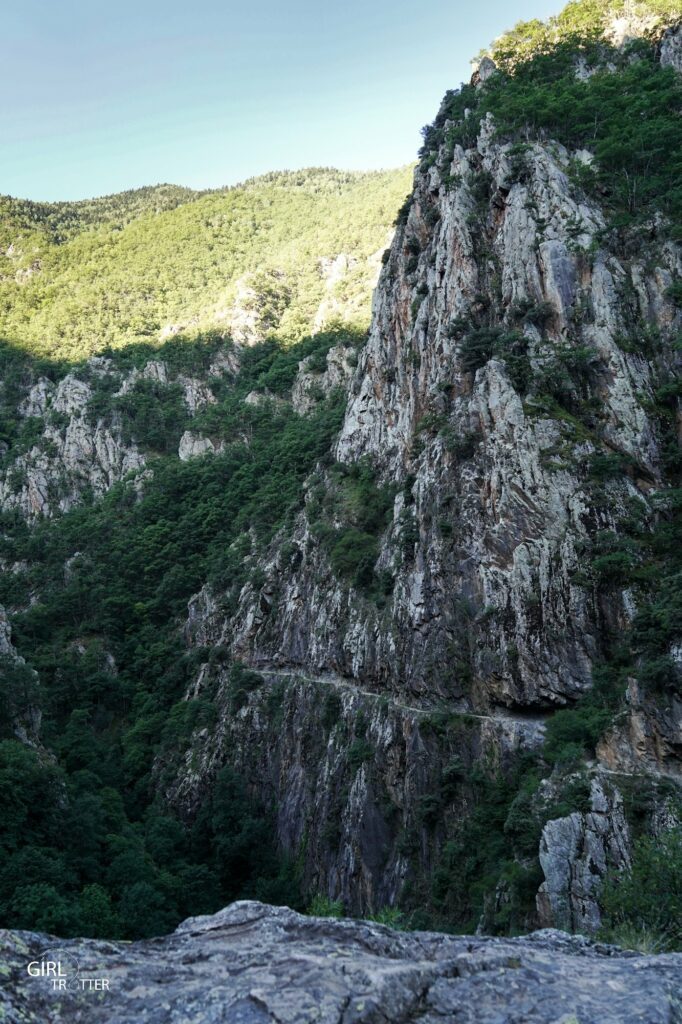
[388,623]
[283,253]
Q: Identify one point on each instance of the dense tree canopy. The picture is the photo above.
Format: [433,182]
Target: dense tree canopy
[85,846]
[75,278]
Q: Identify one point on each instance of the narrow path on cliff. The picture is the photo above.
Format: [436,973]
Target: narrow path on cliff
[499,716]
[533,721]
[638,775]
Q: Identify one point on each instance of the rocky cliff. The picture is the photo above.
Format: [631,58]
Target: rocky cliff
[253,963]
[507,408]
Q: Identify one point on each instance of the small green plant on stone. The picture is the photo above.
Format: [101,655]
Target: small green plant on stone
[331,711]
[323,906]
[390,916]
[644,904]
[242,682]
[359,751]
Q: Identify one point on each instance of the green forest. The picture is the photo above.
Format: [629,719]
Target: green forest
[625,113]
[86,848]
[77,278]
[98,854]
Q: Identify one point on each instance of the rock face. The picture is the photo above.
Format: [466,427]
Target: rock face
[356,822]
[337,372]
[193,445]
[72,454]
[575,852]
[489,611]
[671,49]
[78,450]
[497,490]
[253,964]
[648,736]
[7,649]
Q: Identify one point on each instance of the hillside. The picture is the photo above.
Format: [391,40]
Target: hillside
[282,254]
[384,624]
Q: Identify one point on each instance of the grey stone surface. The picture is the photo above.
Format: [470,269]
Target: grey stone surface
[78,453]
[253,964]
[193,445]
[75,454]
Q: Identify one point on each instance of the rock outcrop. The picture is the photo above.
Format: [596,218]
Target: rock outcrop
[193,445]
[310,385]
[575,853]
[79,450]
[73,453]
[253,964]
[671,48]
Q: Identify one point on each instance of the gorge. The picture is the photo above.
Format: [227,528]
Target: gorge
[385,624]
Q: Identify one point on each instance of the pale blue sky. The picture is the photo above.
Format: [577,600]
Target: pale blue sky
[103,96]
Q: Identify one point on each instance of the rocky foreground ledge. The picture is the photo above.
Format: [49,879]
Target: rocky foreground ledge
[252,964]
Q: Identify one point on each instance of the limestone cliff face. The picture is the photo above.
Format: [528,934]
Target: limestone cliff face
[77,450]
[500,282]
[497,486]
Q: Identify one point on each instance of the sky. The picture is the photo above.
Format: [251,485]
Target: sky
[99,96]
